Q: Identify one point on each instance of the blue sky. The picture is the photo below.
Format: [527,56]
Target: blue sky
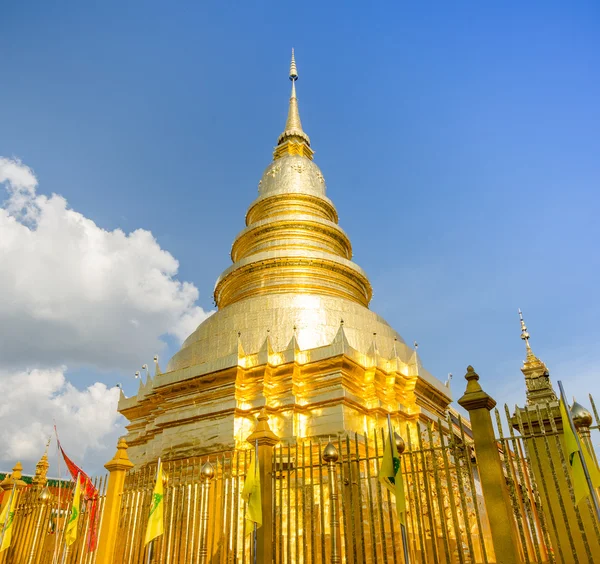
[459,142]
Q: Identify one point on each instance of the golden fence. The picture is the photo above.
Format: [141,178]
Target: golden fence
[322,507]
[39,526]
[551,526]
[473,495]
[203,516]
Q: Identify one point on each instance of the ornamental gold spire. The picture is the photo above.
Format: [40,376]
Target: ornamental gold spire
[293,140]
[525,337]
[537,377]
[41,470]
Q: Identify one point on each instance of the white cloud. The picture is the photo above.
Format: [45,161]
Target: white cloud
[74,293]
[32,400]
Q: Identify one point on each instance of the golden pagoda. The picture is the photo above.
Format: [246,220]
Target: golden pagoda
[293,332]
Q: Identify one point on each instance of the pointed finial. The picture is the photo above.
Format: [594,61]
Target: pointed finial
[525,337]
[293,69]
[293,140]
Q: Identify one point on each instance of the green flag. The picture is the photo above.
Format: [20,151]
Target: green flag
[390,475]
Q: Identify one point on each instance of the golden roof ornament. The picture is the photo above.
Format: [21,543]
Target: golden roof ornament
[537,377]
[582,418]
[41,469]
[293,140]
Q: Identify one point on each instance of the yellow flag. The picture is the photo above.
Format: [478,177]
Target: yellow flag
[6,520]
[252,496]
[580,485]
[390,475]
[72,524]
[156,525]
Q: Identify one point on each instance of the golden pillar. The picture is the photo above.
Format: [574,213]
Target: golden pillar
[266,440]
[497,500]
[117,467]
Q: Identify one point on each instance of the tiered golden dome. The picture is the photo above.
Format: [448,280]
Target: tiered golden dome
[292,273]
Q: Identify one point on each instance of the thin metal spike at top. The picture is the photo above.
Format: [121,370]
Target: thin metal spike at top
[293,69]
[524,333]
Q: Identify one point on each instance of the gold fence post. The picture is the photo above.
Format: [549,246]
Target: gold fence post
[266,441]
[117,467]
[330,457]
[495,492]
[207,473]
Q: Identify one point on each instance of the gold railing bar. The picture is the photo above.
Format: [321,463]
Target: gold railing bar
[296,506]
[360,500]
[524,465]
[554,474]
[416,491]
[225,504]
[132,514]
[542,476]
[429,497]
[214,514]
[453,506]
[236,501]
[563,462]
[349,528]
[371,500]
[518,501]
[439,494]
[390,511]
[280,512]
[274,502]
[536,506]
[289,504]
[322,502]
[379,501]
[244,536]
[460,477]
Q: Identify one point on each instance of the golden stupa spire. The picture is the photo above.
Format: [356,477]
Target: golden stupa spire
[525,337]
[293,140]
[537,377]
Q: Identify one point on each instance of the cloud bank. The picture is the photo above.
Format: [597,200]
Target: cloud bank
[74,294]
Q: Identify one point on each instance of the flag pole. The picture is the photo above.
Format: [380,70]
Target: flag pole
[56,544]
[588,479]
[256,474]
[402,527]
[151,543]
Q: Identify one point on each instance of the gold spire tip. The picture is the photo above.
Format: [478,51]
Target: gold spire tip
[524,333]
[293,69]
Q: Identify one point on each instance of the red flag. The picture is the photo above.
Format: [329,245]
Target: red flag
[87,487]
[90,494]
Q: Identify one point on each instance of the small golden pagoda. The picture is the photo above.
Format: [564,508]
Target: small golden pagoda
[293,332]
